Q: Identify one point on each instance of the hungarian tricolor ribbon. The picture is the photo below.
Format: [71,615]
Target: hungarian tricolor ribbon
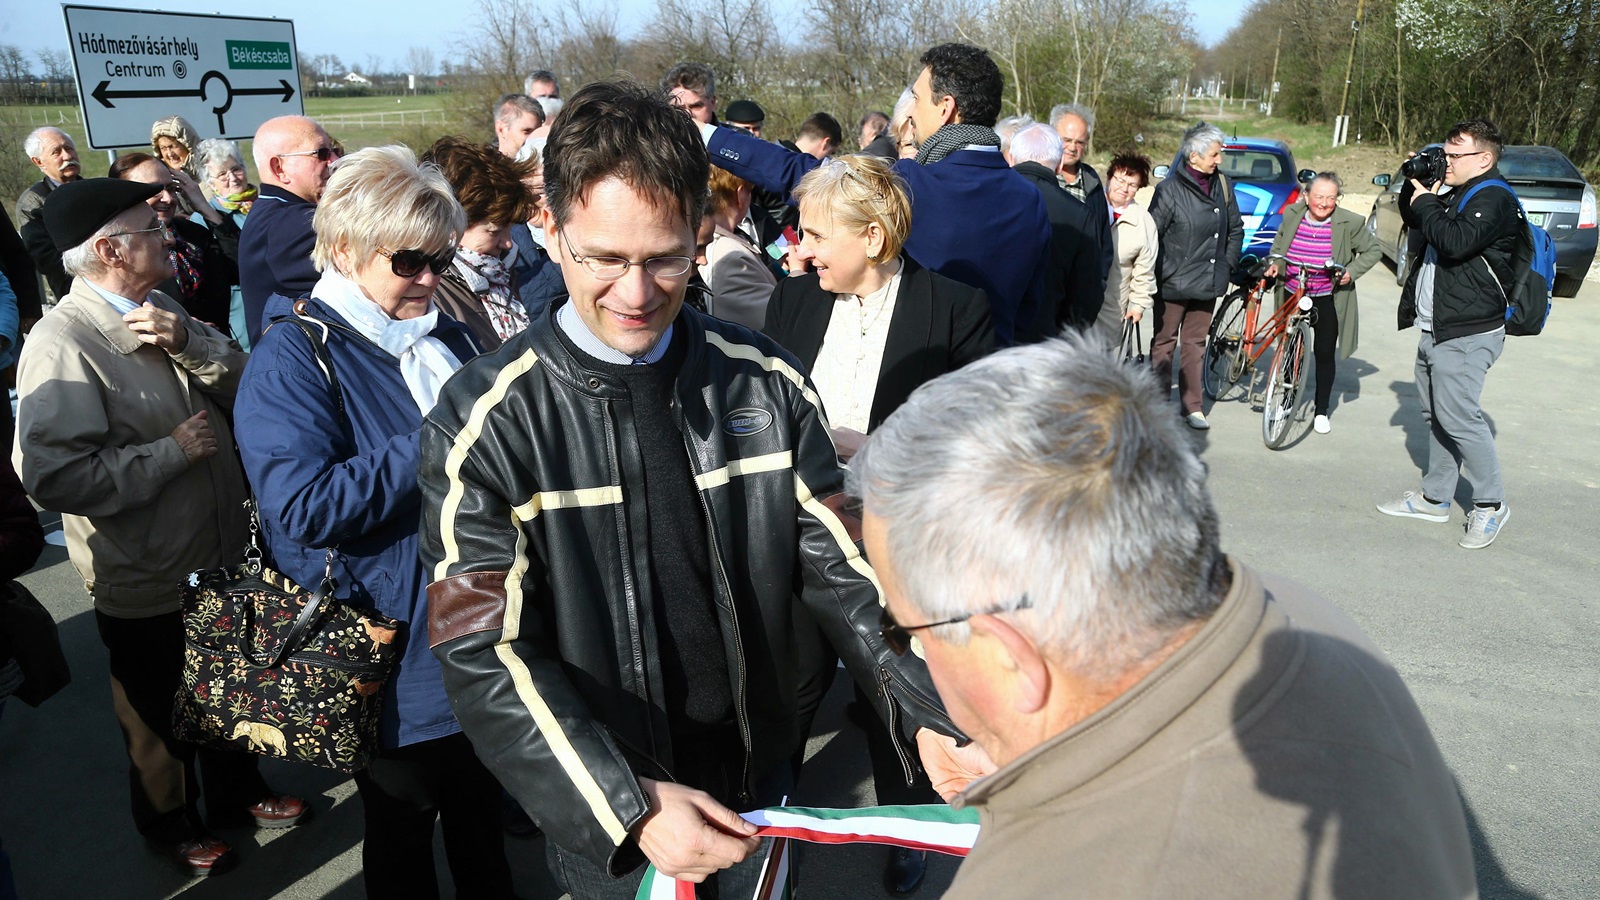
[935,827]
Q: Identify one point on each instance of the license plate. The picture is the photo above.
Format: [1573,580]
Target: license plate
[1538,218]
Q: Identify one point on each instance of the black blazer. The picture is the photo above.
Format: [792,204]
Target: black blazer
[938,326]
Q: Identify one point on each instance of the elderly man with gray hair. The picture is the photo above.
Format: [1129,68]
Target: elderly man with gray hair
[1167,721]
[123,428]
[54,153]
[1075,124]
[1073,286]
[516,118]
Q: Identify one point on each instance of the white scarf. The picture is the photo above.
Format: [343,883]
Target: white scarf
[425,362]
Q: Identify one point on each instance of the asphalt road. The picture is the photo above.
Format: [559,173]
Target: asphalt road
[1498,646]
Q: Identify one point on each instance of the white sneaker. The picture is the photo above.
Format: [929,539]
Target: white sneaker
[1321,425]
[1197,421]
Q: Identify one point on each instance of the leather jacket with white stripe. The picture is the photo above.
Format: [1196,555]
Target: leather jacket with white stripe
[540,611]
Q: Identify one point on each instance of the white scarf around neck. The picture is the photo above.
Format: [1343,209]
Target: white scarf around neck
[425,362]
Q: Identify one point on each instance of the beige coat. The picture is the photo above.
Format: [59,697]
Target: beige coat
[94,443]
[1277,754]
[1132,282]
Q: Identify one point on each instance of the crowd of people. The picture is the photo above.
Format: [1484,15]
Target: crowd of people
[582,416]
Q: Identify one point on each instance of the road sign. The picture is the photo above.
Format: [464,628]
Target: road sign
[225,74]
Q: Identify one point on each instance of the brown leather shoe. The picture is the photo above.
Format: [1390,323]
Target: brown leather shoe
[199,858]
[279,811]
[276,811]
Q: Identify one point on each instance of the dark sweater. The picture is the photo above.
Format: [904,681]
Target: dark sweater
[699,693]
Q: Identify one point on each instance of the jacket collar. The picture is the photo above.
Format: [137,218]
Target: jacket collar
[107,320]
[543,338]
[1036,172]
[1225,657]
[273,192]
[986,158]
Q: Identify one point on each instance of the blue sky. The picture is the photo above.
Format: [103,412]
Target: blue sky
[387,28]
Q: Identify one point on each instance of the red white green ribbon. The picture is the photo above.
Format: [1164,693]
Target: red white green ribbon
[935,827]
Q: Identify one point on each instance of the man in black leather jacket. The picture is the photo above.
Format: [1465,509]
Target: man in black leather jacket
[1462,256]
[621,506]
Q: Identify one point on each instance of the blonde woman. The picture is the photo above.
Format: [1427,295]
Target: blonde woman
[335,467]
[871,326]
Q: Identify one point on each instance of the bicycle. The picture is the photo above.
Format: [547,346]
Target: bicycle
[1235,344]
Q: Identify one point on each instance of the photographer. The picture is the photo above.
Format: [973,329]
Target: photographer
[1460,258]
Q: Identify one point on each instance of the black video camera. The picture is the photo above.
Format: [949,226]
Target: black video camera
[1427,166]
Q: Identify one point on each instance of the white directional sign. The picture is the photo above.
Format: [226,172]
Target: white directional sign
[225,74]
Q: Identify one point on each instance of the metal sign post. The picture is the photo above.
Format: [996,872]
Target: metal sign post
[225,74]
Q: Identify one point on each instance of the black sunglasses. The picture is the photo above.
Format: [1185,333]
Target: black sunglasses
[323,154]
[410,263]
[898,636]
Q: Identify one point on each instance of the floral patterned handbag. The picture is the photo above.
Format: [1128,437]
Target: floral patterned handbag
[272,668]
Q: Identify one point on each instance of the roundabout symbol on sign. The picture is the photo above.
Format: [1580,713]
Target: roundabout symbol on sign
[103,93]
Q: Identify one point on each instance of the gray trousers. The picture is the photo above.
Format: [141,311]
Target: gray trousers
[1450,386]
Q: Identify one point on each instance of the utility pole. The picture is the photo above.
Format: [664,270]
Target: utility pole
[1272,83]
[1342,124]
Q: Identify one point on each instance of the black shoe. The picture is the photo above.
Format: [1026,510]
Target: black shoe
[904,873]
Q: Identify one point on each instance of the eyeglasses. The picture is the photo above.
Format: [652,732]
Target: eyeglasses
[1459,155]
[410,263]
[611,268]
[323,154]
[163,229]
[898,636]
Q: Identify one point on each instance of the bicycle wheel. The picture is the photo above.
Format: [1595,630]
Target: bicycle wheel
[1286,385]
[1225,360]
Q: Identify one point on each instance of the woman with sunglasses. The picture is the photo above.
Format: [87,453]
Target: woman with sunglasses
[334,467]
[870,326]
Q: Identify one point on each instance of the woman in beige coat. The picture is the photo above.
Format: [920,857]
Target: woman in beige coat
[1131,286]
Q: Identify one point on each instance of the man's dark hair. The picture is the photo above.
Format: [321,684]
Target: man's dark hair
[821,125]
[620,129]
[968,74]
[1483,132]
[691,76]
[878,120]
[127,162]
[510,107]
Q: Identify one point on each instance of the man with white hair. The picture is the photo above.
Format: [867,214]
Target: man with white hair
[294,158]
[1075,124]
[1167,721]
[123,429]
[1073,287]
[53,151]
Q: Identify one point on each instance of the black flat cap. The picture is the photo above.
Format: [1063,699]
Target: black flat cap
[745,112]
[76,210]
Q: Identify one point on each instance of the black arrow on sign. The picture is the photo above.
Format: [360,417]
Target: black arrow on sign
[103,94]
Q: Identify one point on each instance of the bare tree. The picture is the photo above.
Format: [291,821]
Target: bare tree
[419,62]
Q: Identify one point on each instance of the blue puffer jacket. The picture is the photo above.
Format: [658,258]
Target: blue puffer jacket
[321,483]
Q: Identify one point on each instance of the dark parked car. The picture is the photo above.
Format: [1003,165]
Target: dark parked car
[1553,192]
[1265,183]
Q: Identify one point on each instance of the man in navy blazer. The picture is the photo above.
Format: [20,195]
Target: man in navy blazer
[294,158]
[972,218]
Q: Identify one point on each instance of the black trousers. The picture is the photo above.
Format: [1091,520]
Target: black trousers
[146,661]
[1325,340]
[403,792]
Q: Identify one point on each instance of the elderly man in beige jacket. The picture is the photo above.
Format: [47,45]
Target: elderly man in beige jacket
[123,429]
[1167,722]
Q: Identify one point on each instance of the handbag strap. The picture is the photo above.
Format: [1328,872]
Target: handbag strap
[1131,339]
[302,623]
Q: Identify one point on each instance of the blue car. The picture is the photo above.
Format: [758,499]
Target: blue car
[1264,181]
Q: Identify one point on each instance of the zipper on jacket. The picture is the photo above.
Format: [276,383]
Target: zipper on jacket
[884,678]
[629,592]
[733,606]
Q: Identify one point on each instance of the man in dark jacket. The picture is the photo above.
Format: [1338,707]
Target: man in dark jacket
[1455,296]
[53,151]
[875,139]
[1074,290]
[958,182]
[1075,124]
[620,506]
[293,160]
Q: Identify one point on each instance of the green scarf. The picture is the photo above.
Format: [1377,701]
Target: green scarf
[238,203]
